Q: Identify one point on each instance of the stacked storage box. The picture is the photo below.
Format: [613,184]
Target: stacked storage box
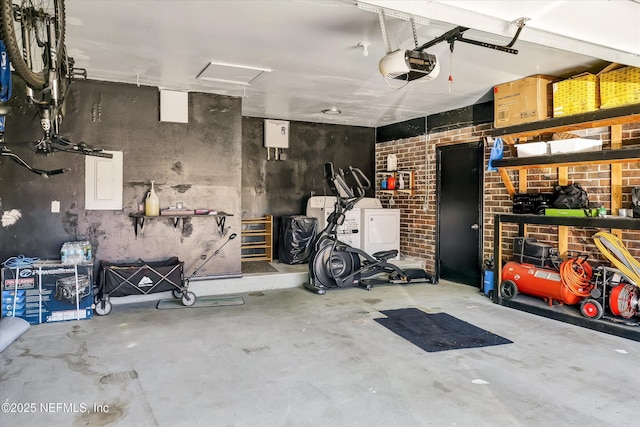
[578,94]
[620,87]
[523,101]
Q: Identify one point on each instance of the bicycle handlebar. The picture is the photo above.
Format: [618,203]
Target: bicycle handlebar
[58,143]
[43,173]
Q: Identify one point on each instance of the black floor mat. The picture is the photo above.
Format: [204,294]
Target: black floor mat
[438,331]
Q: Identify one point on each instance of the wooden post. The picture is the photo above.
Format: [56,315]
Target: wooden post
[616,176]
[563,230]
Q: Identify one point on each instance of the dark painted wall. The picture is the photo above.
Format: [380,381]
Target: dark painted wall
[470,115]
[283,187]
[198,163]
[402,130]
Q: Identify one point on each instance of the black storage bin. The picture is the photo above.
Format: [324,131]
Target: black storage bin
[535,261]
[296,239]
[117,280]
[531,203]
[531,247]
[527,250]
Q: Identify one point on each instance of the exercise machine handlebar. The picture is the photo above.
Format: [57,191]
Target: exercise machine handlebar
[348,195]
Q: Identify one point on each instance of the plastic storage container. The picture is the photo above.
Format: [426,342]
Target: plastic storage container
[575,145]
[152,203]
[533,149]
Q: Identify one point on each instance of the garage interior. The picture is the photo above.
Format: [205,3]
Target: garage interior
[267,351]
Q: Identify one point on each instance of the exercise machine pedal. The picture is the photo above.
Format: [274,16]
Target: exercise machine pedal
[320,290]
[369,283]
[413,275]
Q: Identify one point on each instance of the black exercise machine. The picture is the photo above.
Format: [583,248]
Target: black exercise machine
[334,264]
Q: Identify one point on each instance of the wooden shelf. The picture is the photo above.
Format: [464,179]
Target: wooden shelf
[140,218]
[591,120]
[257,239]
[409,182]
[613,118]
[404,191]
[623,155]
[612,222]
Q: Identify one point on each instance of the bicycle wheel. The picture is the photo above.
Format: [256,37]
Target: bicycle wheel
[24,30]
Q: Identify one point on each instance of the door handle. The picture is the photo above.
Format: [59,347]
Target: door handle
[475,227]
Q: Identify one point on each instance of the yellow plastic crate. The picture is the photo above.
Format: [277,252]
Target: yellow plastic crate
[620,87]
[579,94]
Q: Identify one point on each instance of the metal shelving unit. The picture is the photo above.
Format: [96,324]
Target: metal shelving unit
[535,305]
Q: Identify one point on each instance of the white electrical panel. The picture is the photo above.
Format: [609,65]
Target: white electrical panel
[103,182]
[276,134]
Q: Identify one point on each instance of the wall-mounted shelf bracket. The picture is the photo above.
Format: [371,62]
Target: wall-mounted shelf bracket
[139,220]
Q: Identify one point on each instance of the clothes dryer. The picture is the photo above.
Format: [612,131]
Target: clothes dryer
[380,230]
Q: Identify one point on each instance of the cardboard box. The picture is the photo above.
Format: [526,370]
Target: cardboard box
[48,291]
[532,149]
[578,94]
[620,87]
[575,145]
[523,101]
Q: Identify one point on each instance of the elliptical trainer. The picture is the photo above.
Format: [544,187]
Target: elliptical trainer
[334,264]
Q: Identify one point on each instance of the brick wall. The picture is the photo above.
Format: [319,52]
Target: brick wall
[418,211]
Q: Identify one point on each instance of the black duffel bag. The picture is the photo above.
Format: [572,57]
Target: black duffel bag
[570,197]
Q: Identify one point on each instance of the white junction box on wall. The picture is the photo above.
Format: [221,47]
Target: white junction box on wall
[276,133]
[174,106]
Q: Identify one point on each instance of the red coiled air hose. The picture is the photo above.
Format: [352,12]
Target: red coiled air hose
[576,275]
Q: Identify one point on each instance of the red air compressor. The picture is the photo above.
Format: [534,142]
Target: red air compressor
[536,281]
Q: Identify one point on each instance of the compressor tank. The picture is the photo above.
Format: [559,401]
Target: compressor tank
[539,282]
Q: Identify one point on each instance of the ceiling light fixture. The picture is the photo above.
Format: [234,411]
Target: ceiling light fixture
[365,48]
[331,111]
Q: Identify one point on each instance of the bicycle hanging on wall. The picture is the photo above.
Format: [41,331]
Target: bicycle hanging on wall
[34,34]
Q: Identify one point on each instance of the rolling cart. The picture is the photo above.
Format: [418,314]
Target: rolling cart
[141,278]
[144,278]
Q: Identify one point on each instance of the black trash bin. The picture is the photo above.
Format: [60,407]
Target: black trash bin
[296,237]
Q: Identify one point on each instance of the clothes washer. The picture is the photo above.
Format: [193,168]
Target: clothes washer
[320,207]
[368,226]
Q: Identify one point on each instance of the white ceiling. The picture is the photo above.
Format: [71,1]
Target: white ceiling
[311,48]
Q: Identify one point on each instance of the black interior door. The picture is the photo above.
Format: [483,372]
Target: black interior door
[459,189]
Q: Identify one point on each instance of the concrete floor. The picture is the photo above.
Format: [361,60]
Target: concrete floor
[291,358]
